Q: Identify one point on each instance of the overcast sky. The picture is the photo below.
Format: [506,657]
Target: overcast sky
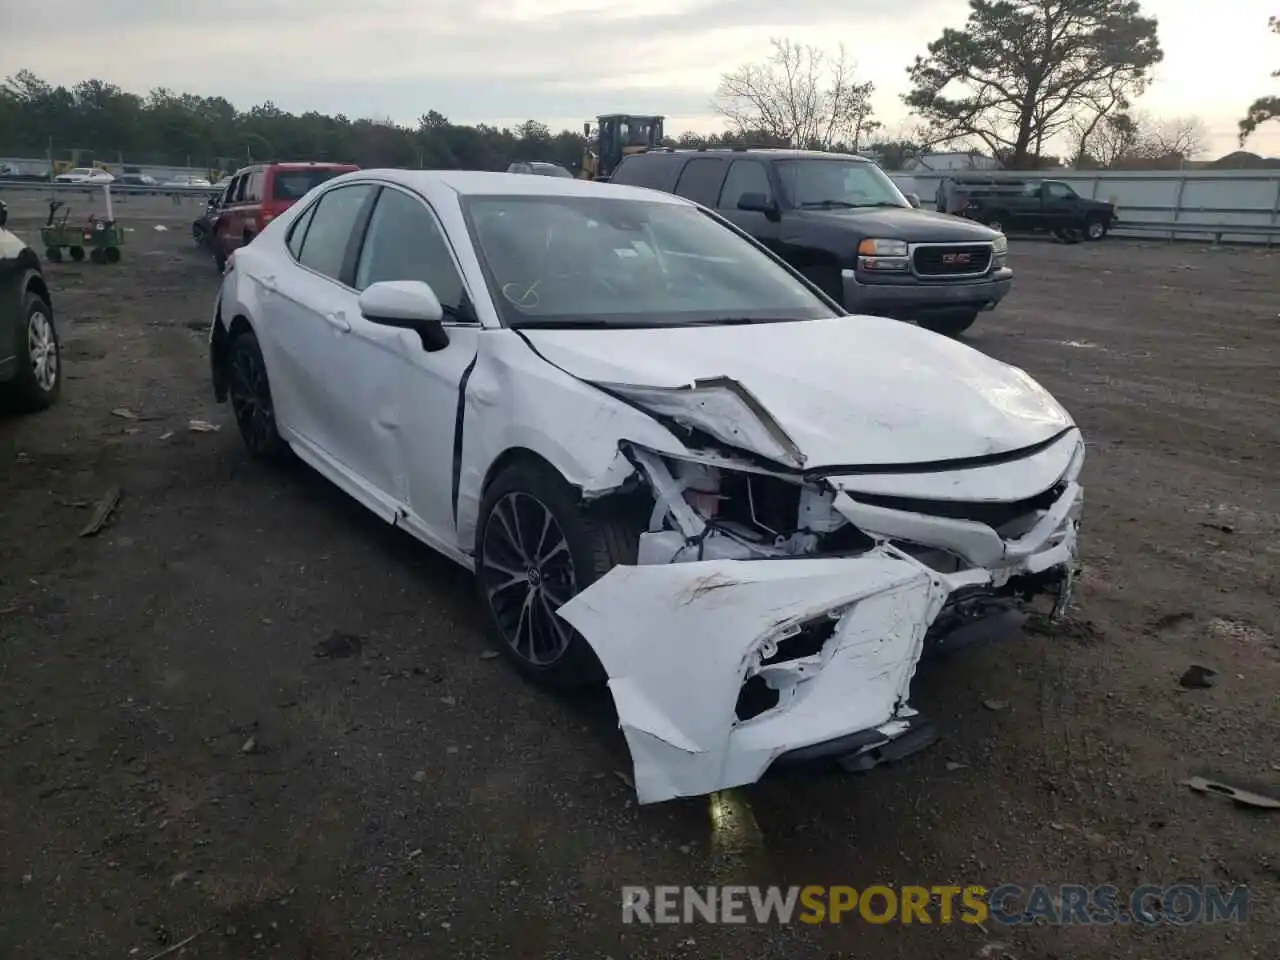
[564,61]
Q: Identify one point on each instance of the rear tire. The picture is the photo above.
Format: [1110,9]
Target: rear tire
[249,391]
[38,382]
[538,546]
[949,325]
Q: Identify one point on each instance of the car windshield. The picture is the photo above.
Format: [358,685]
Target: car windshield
[604,262]
[551,170]
[294,184]
[822,184]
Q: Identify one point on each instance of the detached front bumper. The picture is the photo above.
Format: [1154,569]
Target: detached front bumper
[831,643]
[908,297]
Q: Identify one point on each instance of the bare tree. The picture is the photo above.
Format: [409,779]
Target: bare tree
[1137,139]
[1182,137]
[800,96]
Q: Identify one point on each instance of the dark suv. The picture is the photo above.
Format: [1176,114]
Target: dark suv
[842,223]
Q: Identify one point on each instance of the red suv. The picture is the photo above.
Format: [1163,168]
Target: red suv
[257,195]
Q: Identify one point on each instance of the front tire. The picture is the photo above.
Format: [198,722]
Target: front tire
[1096,229]
[250,393]
[39,378]
[538,546]
[949,325]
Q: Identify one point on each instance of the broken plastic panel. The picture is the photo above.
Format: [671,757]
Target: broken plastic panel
[679,642]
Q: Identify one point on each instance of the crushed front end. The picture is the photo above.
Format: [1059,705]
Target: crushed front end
[776,615]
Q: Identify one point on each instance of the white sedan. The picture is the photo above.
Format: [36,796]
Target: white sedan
[671,462]
[84,175]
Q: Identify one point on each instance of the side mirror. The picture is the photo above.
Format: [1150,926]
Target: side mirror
[759,203]
[4,214]
[409,305]
[914,200]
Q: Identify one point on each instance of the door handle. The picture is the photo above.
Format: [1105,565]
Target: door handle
[338,320]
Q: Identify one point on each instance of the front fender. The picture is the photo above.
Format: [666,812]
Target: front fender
[516,400]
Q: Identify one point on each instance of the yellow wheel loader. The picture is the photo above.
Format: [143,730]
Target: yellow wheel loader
[617,135]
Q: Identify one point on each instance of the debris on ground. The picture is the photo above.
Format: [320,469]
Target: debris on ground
[1197,677]
[953,766]
[996,705]
[1220,527]
[1244,798]
[124,413]
[489,655]
[250,745]
[160,228]
[419,776]
[339,646]
[102,512]
[202,426]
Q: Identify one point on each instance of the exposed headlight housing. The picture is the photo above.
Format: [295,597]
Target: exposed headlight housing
[878,255]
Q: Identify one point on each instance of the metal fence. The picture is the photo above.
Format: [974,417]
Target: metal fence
[1178,204]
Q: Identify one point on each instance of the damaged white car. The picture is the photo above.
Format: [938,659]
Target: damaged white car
[672,463]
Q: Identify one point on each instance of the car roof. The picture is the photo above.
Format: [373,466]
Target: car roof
[774,153]
[471,183]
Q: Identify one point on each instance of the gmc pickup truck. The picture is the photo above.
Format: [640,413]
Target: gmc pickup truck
[839,220]
[1033,205]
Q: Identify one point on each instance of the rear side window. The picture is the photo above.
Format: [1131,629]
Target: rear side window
[324,248]
[298,232]
[745,176]
[290,185]
[653,171]
[701,179]
[253,191]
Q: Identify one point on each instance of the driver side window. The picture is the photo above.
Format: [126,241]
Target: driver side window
[745,176]
[404,242]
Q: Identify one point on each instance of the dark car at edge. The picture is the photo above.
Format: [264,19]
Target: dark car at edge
[30,353]
[841,222]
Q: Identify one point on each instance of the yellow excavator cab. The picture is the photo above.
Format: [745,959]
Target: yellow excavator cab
[617,135]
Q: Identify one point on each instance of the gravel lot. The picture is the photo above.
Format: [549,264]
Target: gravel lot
[176,760]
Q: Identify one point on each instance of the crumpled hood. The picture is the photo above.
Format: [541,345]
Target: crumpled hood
[849,391]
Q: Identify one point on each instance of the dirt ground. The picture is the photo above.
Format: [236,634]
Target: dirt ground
[176,760]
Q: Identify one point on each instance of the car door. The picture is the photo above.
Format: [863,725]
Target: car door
[311,303]
[1061,206]
[409,397]
[228,222]
[744,177]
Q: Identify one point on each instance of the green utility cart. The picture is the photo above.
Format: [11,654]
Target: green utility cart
[101,237]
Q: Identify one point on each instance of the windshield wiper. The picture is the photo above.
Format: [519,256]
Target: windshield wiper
[845,205]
